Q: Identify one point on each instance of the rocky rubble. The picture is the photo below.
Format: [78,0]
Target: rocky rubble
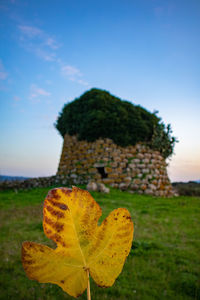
[97,187]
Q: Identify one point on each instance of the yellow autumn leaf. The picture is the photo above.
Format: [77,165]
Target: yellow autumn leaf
[70,218]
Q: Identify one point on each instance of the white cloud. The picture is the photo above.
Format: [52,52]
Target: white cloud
[83,82]
[52,43]
[38,41]
[36,92]
[71,71]
[45,55]
[30,32]
[44,46]
[74,74]
[3,73]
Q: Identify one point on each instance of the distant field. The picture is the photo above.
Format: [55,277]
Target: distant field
[190,188]
[164,262]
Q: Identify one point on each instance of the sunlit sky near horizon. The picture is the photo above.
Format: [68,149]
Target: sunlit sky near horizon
[144,51]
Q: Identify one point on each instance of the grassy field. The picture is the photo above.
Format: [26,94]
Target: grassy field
[164,262]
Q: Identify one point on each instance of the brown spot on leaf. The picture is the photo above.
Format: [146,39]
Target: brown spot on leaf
[63,206]
[28,262]
[57,213]
[56,225]
[105,222]
[122,235]
[56,238]
[92,204]
[26,255]
[62,281]
[66,191]
[58,204]
[48,231]
[55,194]
[41,249]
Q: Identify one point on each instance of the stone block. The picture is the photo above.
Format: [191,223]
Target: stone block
[141,166]
[73,176]
[123,186]
[99,165]
[91,186]
[136,181]
[114,185]
[140,156]
[136,161]
[118,179]
[123,175]
[145,171]
[114,164]
[152,187]
[105,159]
[122,165]
[133,173]
[155,182]
[113,175]
[148,192]
[143,187]
[97,176]
[145,161]
[108,180]
[129,155]
[92,171]
[147,155]
[127,179]
[134,187]
[117,159]
[151,166]
[132,166]
[108,170]
[118,170]
[153,161]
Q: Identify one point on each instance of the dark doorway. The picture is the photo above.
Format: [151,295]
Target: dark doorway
[102,172]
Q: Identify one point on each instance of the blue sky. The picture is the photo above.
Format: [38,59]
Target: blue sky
[145,51]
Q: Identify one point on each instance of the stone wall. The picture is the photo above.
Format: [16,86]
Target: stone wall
[135,168]
[33,183]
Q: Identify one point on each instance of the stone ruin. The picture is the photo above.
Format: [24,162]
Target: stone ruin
[135,168]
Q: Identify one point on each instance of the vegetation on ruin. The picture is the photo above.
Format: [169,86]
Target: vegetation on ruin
[98,114]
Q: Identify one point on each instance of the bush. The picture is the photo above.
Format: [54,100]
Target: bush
[162,140]
[97,114]
[190,188]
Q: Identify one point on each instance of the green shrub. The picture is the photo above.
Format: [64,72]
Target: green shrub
[162,140]
[97,114]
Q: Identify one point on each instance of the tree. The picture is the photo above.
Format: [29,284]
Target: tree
[98,114]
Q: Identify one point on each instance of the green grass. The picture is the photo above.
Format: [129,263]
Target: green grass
[164,262]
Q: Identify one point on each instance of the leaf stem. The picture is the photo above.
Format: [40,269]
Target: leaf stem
[88,286]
